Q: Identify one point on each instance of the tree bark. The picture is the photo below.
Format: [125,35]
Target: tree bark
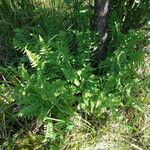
[100,25]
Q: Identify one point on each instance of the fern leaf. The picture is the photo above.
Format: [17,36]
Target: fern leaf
[34,58]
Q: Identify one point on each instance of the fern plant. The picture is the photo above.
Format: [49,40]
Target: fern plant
[57,80]
[51,85]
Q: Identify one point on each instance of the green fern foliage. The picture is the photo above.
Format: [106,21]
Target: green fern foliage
[60,75]
[50,88]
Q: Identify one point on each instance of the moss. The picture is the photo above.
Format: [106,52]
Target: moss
[28,142]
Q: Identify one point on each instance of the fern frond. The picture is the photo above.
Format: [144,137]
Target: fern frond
[34,58]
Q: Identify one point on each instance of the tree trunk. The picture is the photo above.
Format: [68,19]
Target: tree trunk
[100,25]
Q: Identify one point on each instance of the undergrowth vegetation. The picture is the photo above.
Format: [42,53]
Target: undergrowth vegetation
[51,97]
